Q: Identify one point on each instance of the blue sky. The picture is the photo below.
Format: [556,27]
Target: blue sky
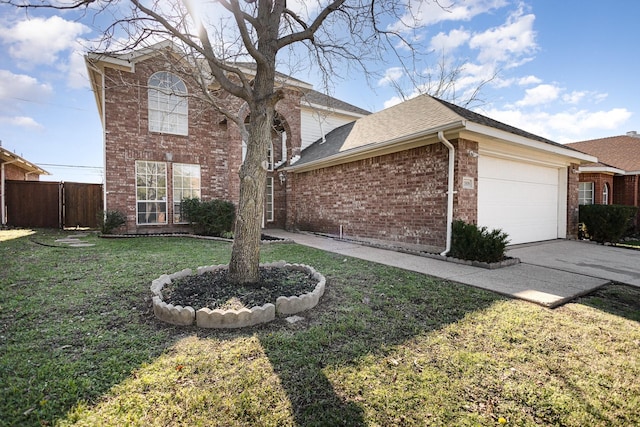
[565,70]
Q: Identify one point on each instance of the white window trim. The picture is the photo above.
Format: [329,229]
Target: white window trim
[605,194]
[269,196]
[173,182]
[582,192]
[176,103]
[166,211]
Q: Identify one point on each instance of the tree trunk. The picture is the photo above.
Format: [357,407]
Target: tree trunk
[245,253]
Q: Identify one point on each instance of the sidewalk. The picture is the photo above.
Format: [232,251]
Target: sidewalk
[542,285]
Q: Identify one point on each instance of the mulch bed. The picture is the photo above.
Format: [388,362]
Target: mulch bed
[213,289]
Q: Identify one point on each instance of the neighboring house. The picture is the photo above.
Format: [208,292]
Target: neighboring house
[388,177]
[162,143]
[401,175]
[614,179]
[15,168]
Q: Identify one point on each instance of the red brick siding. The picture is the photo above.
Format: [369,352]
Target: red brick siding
[398,197]
[572,200]
[466,200]
[211,143]
[627,190]
[599,180]
[14,173]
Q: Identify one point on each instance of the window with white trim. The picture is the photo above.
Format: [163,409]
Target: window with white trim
[270,157]
[151,192]
[585,193]
[186,185]
[168,104]
[269,200]
[605,194]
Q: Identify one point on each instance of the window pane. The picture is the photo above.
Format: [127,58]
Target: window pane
[186,183]
[168,104]
[151,192]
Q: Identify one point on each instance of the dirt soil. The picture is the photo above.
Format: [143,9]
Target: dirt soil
[213,290]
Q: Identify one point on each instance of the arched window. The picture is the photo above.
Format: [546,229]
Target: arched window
[605,194]
[168,104]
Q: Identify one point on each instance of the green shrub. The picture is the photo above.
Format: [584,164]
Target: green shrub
[607,223]
[110,220]
[470,242]
[209,218]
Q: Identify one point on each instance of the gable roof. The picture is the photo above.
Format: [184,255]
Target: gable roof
[7,157]
[313,97]
[621,152]
[96,62]
[420,117]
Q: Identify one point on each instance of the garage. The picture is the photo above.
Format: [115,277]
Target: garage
[520,198]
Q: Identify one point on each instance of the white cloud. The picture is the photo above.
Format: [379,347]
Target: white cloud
[507,43]
[529,80]
[541,94]
[391,76]
[22,86]
[394,101]
[421,13]
[564,126]
[447,42]
[21,121]
[40,41]
[77,77]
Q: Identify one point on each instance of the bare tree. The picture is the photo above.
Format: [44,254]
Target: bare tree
[352,32]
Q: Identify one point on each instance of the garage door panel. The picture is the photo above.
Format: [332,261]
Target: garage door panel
[519,198]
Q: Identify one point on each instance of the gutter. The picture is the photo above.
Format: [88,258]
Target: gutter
[450,189]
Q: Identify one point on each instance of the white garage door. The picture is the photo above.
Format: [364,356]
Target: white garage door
[519,198]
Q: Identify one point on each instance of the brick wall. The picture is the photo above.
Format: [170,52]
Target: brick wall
[572,200]
[599,180]
[14,173]
[465,201]
[627,190]
[399,197]
[211,143]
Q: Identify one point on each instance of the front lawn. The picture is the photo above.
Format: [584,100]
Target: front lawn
[385,347]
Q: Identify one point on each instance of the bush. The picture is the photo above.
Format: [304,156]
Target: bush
[111,220]
[210,218]
[607,223]
[470,242]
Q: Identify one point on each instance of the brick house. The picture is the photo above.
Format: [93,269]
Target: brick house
[402,174]
[15,168]
[162,143]
[615,177]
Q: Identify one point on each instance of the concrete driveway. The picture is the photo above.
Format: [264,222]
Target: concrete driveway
[585,258]
[550,273]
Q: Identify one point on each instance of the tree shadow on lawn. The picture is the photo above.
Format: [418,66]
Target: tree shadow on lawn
[618,299]
[359,315]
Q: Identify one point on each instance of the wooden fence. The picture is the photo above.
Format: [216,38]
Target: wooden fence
[53,204]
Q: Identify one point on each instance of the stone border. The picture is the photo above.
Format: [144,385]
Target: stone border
[226,319]
[507,262]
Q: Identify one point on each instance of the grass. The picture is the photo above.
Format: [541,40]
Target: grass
[79,346]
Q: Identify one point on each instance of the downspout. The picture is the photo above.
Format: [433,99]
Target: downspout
[450,189]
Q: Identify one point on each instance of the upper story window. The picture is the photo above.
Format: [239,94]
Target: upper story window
[168,104]
[585,193]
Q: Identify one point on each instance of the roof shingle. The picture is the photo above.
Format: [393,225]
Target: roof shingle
[622,152]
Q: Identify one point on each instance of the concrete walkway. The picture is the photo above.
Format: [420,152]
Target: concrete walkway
[550,273]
